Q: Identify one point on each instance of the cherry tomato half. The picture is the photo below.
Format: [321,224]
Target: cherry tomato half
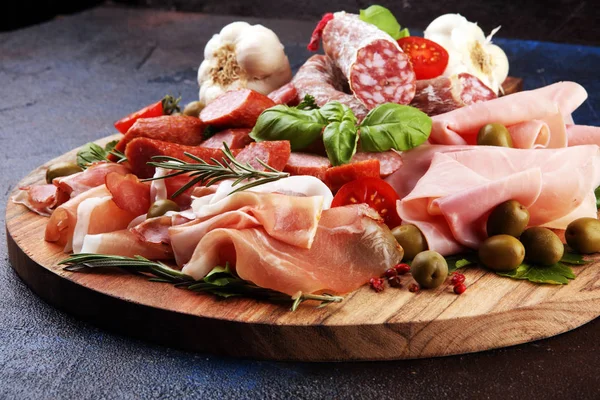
[428,58]
[375,192]
[152,110]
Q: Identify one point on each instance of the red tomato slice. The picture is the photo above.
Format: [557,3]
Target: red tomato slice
[375,192]
[153,110]
[428,58]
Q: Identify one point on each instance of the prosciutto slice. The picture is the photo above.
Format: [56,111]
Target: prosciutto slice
[41,199]
[451,200]
[351,246]
[125,243]
[550,106]
[92,177]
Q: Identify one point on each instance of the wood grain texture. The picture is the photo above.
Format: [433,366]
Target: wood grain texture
[395,324]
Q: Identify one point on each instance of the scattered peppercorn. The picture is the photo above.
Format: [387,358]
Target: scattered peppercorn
[457,278]
[377,284]
[402,269]
[460,288]
[390,273]
[395,281]
[413,287]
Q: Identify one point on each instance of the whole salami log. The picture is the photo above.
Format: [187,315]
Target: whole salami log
[378,71]
[180,129]
[235,109]
[325,82]
[442,94]
[141,150]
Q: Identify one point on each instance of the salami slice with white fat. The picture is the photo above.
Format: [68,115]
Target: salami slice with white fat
[321,79]
[377,69]
[444,94]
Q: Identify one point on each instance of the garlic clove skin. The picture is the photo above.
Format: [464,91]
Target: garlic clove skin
[444,24]
[259,52]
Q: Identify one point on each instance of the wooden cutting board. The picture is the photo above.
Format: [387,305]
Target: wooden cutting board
[395,324]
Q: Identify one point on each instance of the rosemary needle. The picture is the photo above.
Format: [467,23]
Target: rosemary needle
[208,174]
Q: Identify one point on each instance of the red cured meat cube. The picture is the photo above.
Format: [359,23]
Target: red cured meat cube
[307,164]
[389,161]
[275,154]
[336,177]
[235,139]
[236,109]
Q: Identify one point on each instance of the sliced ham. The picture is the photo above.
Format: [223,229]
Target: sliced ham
[125,243]
[451,200]
[351,246]
[552,104]
[41,199]
[92,177]
[583,134]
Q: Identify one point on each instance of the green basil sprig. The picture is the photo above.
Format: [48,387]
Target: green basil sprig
[394,126]
[300,127]
[340,135]
[383,18]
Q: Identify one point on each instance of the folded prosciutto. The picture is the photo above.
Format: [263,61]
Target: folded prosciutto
[450,202]
[535,118]
[351,245]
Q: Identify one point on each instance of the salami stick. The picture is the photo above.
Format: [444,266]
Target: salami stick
[377,69]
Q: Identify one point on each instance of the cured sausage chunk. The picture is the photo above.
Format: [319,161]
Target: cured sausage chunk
[440,95]
[307,164]
[336,177]
[377,69]
[180,129]
[325,82]
[287,94]
[389,161]
[274,154]
[236,109]
[141,150]
[235,139]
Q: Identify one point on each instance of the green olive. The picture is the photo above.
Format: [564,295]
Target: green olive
[583,235]
[494,135]
[429,269]
[193,108]
[411,239]
[501,253]
[61,169]
[542,246]
[509,218]
[160,207]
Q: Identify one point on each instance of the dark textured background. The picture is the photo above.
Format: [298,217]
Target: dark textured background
[64,82]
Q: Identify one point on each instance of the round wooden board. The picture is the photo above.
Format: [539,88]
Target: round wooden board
[395,324]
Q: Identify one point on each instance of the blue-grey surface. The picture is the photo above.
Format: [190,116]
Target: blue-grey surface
[64,82]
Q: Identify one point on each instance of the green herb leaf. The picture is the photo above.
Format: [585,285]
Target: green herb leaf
[209,132]
[300,127]
[557,274]
[460,261]
[170,104]
[382,18]
[340,136]
[573,258]
[394,126]
[91,153]
[307,103]
[597,193]
[403,33]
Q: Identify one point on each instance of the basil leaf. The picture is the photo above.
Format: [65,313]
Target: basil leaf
[557,274]
[340,135]
[460,261]
[573,258]
[403,33]
[382,18]
[597,194]
[394,126]
[300,127]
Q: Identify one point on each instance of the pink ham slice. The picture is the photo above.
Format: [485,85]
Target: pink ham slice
[451,201]
[290,219]
[41,199]
[350,247]
[92,177]
[551,104]
[125,243]
[583,134]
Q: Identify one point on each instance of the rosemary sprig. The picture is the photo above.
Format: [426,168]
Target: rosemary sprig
[208,174]
[221,281]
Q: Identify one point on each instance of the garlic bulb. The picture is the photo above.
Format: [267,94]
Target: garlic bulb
[242,56]
[469,50]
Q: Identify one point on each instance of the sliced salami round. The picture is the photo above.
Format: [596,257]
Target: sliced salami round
[442,94]
[377,69]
